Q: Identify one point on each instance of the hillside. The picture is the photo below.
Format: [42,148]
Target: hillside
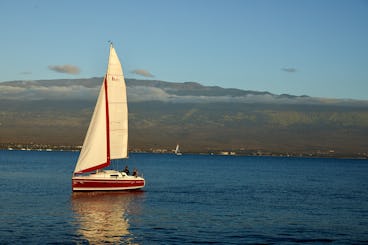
[200,118]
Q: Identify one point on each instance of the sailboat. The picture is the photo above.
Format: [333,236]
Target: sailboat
[107,137]
[177,150]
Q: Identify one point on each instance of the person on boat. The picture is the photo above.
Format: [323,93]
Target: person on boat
[126,170]
[135,172]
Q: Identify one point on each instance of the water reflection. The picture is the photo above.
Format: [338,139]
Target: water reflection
[102,216]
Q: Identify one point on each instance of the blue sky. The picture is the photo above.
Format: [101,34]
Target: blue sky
[310,47]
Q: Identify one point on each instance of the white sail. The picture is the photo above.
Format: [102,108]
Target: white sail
[97,151]
[94,149]
[118,108]
[177,149]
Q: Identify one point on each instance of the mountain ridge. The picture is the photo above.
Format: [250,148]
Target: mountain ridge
[199,118]
[139,90]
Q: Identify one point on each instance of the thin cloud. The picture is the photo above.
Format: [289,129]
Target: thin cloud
[69,69]
[142,72]
[36,90]
[33,91]
[146,93]
[288,69]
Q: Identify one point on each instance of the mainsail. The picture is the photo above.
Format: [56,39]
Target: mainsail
[107,135]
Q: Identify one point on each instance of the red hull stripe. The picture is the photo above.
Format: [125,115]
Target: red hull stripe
[88,183]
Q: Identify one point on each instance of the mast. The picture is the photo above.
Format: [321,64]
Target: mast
[107,122]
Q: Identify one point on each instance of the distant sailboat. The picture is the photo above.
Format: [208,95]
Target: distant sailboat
[107,137]
[177,150]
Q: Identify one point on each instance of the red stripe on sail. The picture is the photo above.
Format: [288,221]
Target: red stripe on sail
[103,165]
[107,123]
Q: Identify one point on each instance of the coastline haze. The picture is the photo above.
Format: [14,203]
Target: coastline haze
[201,118]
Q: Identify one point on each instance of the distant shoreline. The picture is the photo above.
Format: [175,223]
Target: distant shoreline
[259,153]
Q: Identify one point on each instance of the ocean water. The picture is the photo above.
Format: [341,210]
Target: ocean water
[187,199]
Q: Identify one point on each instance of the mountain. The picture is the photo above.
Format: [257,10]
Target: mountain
[199,118]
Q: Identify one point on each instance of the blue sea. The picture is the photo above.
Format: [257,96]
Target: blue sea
[188,199]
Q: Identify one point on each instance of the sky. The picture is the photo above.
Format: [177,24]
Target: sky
[299,47]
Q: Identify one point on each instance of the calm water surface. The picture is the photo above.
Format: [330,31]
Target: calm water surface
[187,199]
